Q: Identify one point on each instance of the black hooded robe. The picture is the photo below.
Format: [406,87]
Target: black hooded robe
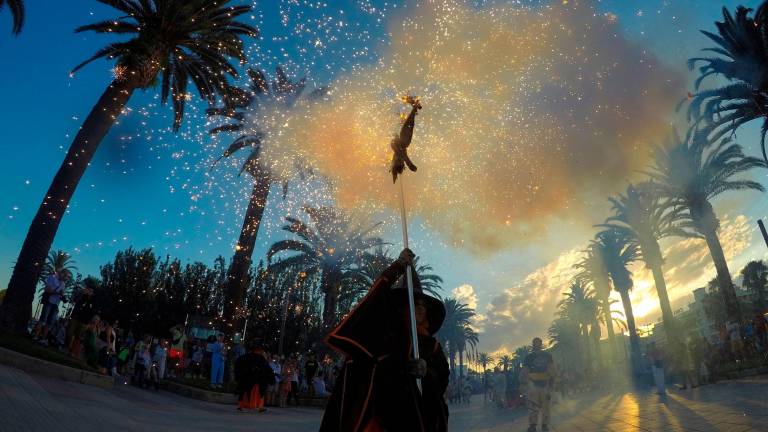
[373,387]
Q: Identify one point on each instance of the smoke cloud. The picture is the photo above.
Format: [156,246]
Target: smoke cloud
[527,111]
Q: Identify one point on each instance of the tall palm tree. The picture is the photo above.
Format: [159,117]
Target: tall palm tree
[177,40]
[330,246]
[484,359]
[755,275]
[239,111]
[593,271]
[618,251]
[458,317]
[645,218]
[17,12]
[580,306]
[468,338]
[742,59]
[691,172]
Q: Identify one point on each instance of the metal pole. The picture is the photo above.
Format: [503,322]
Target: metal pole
[409,279]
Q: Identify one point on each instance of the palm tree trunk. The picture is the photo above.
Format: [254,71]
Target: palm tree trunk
[461,369]
[634,342]
[17,304]
[608,325]
[723,275]
[237,276]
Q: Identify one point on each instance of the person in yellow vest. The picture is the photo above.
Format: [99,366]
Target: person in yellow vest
[539,372]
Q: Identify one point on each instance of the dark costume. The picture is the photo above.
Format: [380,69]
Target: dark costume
[401,142]
[253,375]
[374,391]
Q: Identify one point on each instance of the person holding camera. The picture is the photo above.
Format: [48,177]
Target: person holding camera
[53,294]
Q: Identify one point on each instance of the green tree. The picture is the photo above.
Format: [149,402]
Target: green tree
[177,40]
[485,359]
[520,354]
[755,275]
[646,218]
[330,246]
[691,172]
[17,13]
[241,108]
[618,251]
[742,59]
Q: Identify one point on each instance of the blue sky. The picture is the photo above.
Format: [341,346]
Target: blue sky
[150,188]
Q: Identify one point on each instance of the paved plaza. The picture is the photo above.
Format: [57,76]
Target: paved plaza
[34,403]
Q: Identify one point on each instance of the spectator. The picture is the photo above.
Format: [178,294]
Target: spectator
[217,362]
[159,358]
[82,312]
[310,370]
[197,361]
[656,356]
[176,351]
[89,342]
[539,373]
[142,364]
[53,294]
[273,391]
[318,384]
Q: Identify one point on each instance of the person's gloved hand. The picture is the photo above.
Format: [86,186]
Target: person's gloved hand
[397,268]
[417,368]
[406,258]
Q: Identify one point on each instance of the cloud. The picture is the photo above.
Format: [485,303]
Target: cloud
[527,110]
[526,310]
[519,313]
[465,294]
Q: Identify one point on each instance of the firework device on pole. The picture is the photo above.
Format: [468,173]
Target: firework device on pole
[399,160]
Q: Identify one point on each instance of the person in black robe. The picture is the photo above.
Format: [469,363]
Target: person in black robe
[253,375]
[376,388]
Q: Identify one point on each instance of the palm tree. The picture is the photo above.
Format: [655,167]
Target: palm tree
[580,306]
[755,275]
[330,246]
[280,98]
[17,12]
[373,265]
[743,61]
[457,318]
[618,251]
[484,359]
[58,261]
[521,353]
[180,40]
[645,218]
[592,270]
[691,172]
[469,338]
[505,362]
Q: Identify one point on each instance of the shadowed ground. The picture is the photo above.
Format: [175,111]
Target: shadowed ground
[33,403]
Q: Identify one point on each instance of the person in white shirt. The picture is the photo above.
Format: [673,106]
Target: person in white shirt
[161,354]
[53,294]
[273,394]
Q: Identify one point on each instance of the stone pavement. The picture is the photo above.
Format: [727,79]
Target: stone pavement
[35,403]
[728,406]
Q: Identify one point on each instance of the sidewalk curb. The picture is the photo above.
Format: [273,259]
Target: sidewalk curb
[38,366]
[198,393]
